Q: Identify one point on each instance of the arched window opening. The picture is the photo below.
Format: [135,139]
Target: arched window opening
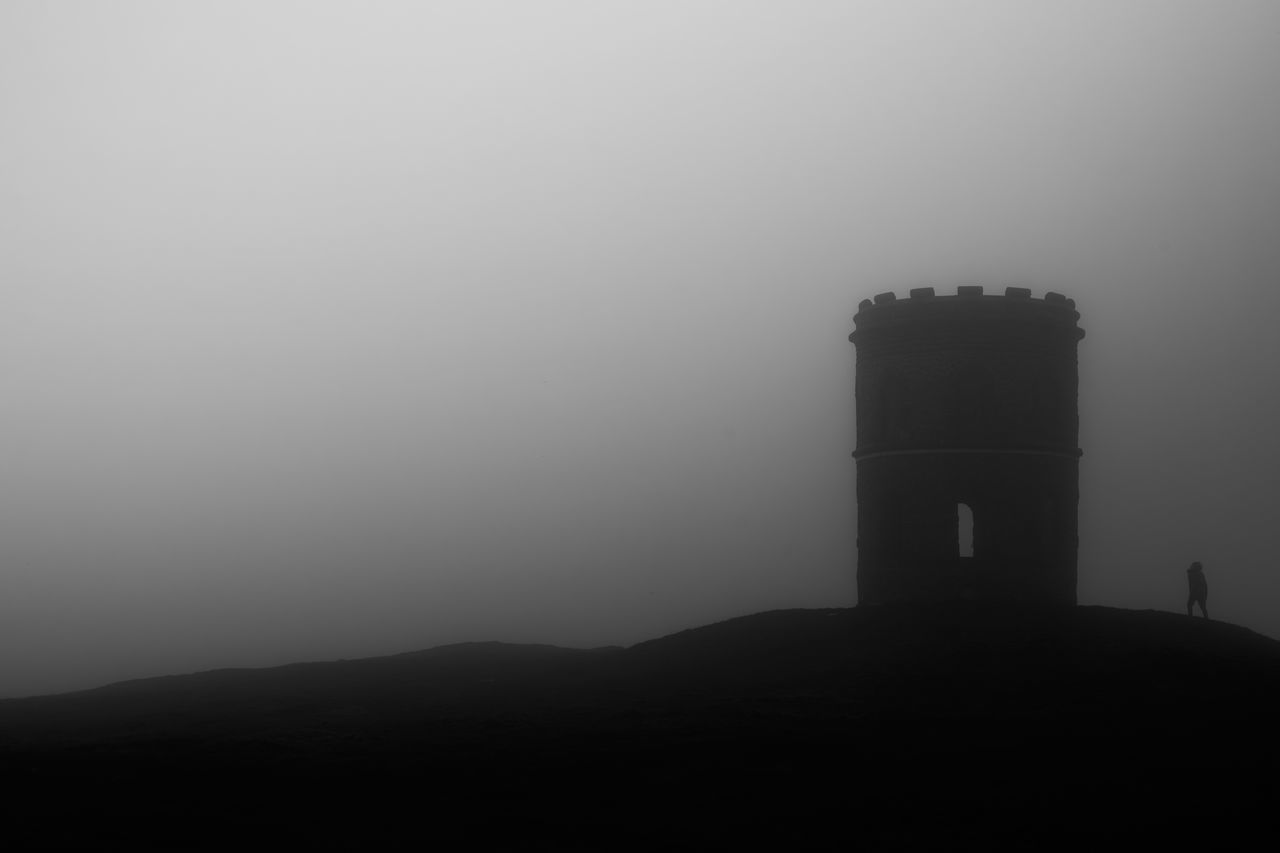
[964,528]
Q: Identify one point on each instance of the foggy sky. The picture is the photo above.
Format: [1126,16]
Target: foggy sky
[341,329]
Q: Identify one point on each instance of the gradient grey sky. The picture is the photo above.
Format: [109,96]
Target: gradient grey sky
[341,329]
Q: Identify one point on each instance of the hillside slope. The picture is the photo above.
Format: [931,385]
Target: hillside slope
[877,725]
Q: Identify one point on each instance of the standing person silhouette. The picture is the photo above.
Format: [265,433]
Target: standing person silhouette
[1199,589]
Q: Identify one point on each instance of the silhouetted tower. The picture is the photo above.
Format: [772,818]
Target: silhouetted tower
[968,464]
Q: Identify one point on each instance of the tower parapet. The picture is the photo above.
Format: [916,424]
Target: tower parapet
[967,408]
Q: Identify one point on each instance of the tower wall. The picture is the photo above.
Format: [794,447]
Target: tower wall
[967,399]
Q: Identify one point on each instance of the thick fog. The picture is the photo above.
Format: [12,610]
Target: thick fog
[343,329]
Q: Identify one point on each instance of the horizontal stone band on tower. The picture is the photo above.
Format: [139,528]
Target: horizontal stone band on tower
[1026,451]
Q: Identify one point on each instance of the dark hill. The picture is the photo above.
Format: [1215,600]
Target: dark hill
[875,726]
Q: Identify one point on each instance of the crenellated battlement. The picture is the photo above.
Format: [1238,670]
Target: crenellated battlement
[968,291]
[924,304]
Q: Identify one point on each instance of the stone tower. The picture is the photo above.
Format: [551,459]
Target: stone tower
[968,464]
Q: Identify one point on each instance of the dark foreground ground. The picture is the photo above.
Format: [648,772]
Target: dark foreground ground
[872,728]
